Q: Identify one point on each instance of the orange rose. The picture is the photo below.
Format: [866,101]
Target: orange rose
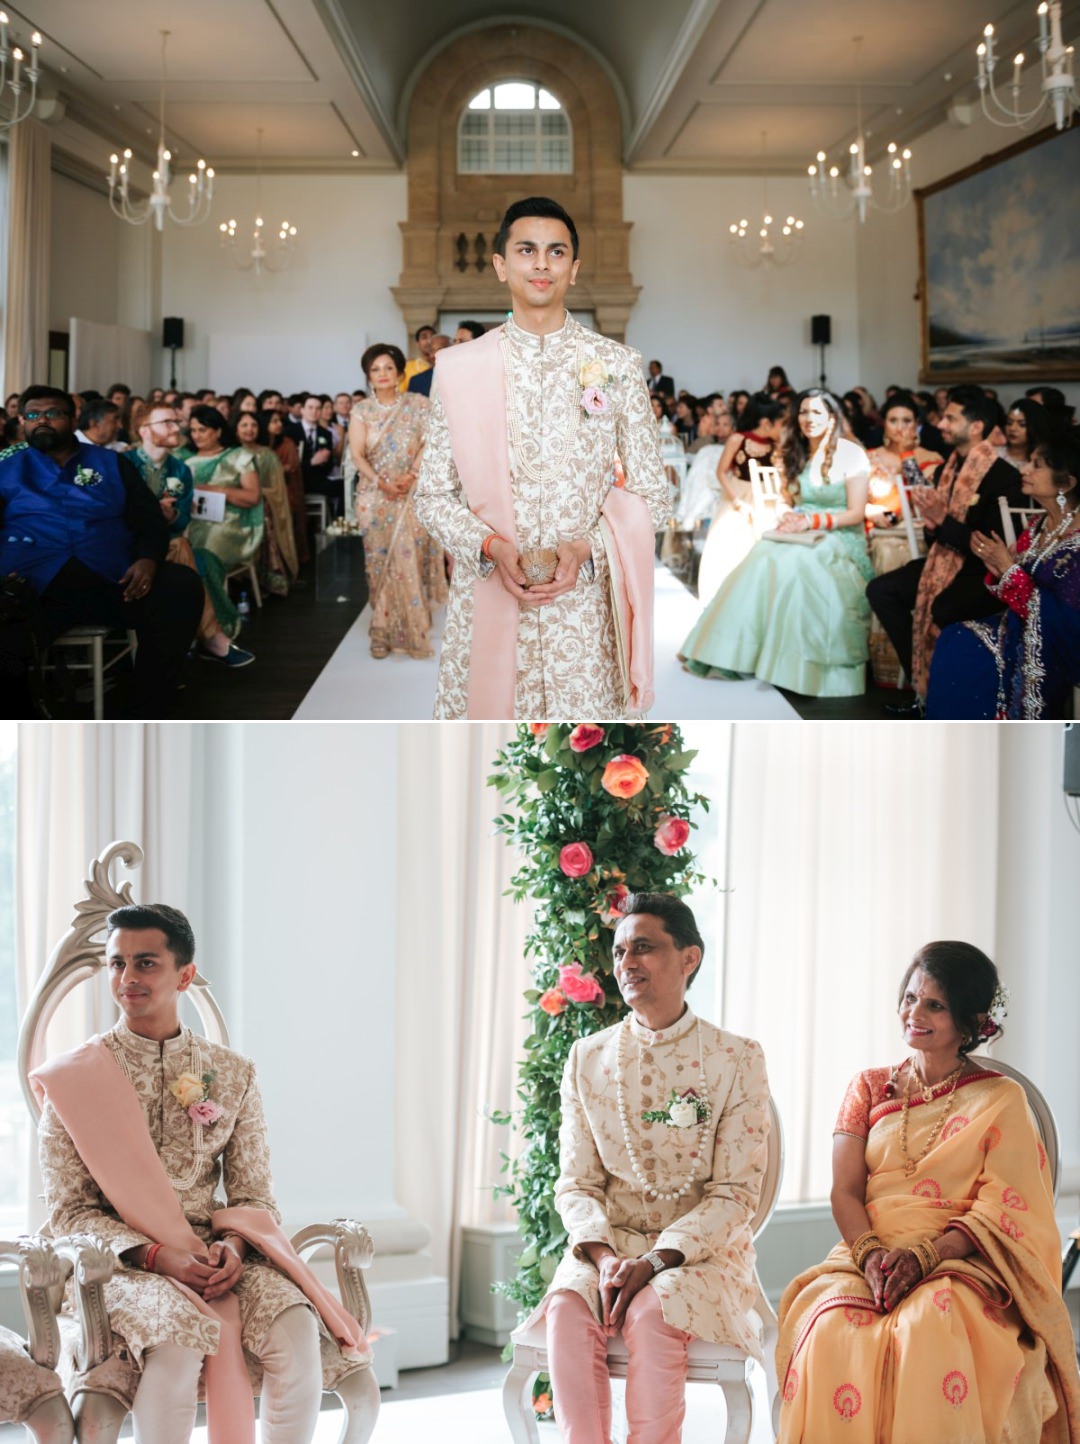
[662,733]
[624,776]
[542,1404]
[539,729]
[553,1002]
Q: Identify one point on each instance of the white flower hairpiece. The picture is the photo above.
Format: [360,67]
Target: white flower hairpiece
[997,1012]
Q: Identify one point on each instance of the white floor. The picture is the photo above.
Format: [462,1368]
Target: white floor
[353,685]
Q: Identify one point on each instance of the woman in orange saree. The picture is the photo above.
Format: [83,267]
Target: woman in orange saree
[939,1318]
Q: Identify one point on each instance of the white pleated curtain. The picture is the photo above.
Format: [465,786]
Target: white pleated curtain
[849,847]
[461,973]
[80,787]
[29,213]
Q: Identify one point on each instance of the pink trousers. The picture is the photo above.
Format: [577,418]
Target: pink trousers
[656,1373]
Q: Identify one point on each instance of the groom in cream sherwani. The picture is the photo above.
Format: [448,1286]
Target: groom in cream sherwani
[551,598]
[663,1148]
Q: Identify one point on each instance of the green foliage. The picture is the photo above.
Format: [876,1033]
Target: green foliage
[557,796]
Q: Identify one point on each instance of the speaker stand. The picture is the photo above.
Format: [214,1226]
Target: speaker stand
[823,383]
[172,369]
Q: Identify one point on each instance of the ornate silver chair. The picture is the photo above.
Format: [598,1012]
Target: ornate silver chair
[100,1381]
[716,1364]
[31,1392]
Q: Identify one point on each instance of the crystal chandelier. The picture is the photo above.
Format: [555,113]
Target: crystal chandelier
[853,193]
[159,203]
[1058,84]
[265,255]
[20,108]
[775,243]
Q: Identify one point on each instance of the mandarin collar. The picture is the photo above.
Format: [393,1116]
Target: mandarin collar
[147,1048]
[521,337]
[678,1029]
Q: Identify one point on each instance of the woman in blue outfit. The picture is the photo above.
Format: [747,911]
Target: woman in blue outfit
[1025,662]
[796,615]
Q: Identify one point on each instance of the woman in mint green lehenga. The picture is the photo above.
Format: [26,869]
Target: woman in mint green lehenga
[222,546]
[796,614]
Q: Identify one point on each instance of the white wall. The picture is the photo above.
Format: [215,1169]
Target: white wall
[307,326]
[888,263]
[716,325]
[85,279]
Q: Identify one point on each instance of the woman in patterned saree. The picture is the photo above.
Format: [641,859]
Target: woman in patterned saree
[939,1317]
[405,572]
[278,564]
[1025,662]
[221,546]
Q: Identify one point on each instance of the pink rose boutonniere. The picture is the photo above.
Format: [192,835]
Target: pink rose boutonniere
[193,1095]
[579,987]
[594,377]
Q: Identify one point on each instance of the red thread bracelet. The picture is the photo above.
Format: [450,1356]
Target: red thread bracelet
[151,1254]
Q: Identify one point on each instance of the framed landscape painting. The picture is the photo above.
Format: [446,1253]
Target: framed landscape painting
[999,255]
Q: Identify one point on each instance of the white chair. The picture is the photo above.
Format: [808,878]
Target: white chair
[716,1364]
[1041,1112]
[248,569]
[912,528]
[1013,517]
[319,506]
[94,637]
[766,494]
[107,1381]
[28,1378]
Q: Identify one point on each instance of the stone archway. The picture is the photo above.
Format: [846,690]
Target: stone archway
[453,218]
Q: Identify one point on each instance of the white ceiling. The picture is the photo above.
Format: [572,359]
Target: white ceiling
[698,81]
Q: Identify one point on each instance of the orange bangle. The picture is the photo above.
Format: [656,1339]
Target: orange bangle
[485,548]
[829,520]
[815,521]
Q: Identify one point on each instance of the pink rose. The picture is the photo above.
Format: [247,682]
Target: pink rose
[611,909]
[594,401]
[206,1112]
[584,736]
[575,859]
[579,987]
[670,837]
[553,1002]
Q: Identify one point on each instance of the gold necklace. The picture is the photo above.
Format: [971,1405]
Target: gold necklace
[911,1164]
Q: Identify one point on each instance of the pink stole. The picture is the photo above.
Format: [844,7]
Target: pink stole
[472,388]
[100,1110]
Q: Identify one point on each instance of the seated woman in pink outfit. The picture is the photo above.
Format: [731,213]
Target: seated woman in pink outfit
[662,1148]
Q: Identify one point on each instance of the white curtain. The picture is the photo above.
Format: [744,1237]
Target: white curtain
[461,972]
[80,787]
[849,847]
[29,208]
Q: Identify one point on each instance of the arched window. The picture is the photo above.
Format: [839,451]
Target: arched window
[515,127]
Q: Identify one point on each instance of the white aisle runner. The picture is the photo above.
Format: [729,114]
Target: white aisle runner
[353,685]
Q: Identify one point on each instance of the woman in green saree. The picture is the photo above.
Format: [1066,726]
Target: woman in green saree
[221,546]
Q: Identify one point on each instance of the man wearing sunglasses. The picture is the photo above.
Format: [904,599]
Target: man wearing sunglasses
[80,527]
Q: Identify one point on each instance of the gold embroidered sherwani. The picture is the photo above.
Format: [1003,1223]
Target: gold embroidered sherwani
[561,462]
[23,1384]
[711,1294]
[146,1309]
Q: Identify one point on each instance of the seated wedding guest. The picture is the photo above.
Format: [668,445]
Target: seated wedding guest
[705,433]
[315,443]
[156,394]
[684,420]
[778,384]
[930,437]
[660,1246]
[278,558]
[900,420]
[343,405]
[734,529]
[223,406]
[737,404]
[242,400]
[405,573]
[1025,663]
[99,425]
[468,331]
[270,400]
[218,464]
[11,433]
[11,405]
[143,1130]
[1027,425]
[420,385]
[416,364]
[31,1394]
[916,601]
[272,432]
[1061,415]
[294,407]
[657,404]
[723,423]
[170,481]
[939,1317]
[795,615]
[78,525]
[860,426]
[120,396]
[658,383]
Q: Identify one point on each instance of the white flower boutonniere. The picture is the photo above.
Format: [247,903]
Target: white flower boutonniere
[684,1110]
[86,476]
[174,486]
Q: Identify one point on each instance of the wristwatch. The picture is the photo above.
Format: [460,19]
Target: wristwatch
[658,1264]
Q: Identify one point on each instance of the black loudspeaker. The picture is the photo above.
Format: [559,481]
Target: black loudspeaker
[172,332]
[1072,759]
[821,330]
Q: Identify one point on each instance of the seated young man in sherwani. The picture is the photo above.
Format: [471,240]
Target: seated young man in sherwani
[662,1153]
[551,598]
[140,1130]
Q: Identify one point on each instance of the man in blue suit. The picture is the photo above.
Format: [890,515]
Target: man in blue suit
[83,532]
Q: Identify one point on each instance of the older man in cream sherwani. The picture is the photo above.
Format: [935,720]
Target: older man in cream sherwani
[663,1149]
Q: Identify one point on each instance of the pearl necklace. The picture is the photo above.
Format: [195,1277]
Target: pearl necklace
[649,1191]
[198,1133]
[1038,545]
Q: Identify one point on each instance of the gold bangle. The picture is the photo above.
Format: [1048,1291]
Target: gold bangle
[866,1244]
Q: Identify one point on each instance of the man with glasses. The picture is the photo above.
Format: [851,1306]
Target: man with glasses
[80,528]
